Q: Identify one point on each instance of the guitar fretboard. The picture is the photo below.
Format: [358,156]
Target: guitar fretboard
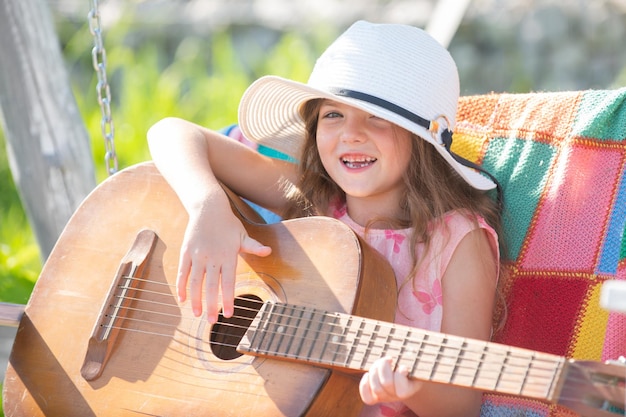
[343,341]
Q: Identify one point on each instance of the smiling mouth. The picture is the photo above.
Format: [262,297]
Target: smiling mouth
[359,162]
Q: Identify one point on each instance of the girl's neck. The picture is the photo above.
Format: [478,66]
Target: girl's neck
[374,213]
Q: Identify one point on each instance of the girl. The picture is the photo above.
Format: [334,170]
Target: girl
[371,131]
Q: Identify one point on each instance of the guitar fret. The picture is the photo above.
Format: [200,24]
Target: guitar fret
[466,366]
[314,341]
[274,320]
[504,363]
[456,367]
[436,363]
[307,317]
[316,337]
[526,373]
[259,328]
[426,360]
[516,371]
[387,332]
[558,366]
[365,363]
[347,341]
[418,355]
[412,346]
[449,359]
[541,376]
[340,344]
[279,330]
[309,335]
[468,363]
[330,320]
[388,341]
[402,349]
[483,354]
[355,345]
[490,365]
[294,336]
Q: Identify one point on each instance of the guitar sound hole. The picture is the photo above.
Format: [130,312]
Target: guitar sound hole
[228,332]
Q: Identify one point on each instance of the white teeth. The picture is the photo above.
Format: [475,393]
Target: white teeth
[358,162]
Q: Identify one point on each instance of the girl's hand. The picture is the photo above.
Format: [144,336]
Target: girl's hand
[208,255]
[382,384]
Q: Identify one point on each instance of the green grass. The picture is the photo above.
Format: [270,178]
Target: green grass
[19,254]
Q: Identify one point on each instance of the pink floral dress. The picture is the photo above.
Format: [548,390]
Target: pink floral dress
[420,303]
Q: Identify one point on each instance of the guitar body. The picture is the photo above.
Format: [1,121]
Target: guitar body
[164,361]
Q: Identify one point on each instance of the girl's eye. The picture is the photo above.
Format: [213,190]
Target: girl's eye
[379,121]
[331,115]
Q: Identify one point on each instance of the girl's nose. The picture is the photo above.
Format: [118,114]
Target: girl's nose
[353,131]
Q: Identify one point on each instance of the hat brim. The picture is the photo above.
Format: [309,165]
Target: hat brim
[269,114]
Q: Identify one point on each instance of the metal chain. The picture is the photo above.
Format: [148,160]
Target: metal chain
[99,58]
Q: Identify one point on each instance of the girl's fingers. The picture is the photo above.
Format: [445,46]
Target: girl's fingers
[196,277]
[254,247]
[206,275]
[365,390]
[382,384]
[212,285]
[184,267]
[227,284]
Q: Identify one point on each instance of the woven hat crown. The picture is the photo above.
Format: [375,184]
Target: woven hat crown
[397,63]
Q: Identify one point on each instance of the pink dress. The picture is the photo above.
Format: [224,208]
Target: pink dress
[420,303]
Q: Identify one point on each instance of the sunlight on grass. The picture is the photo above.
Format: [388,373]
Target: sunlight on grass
[19,254]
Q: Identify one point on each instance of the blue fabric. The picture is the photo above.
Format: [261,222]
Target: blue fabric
[267,215]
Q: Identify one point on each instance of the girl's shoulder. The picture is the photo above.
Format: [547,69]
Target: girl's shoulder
[463,221]
[457,224]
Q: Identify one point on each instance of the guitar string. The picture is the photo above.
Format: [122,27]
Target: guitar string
[520,391]
[439,354]
[437,345]
[615,399]
[507,354]
[176,305]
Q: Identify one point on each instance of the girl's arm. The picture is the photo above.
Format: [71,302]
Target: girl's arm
[469,287]
[193,160]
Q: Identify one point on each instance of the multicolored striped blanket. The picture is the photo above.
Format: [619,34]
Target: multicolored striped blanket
[560,158]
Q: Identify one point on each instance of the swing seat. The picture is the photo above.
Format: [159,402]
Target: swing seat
[560,159]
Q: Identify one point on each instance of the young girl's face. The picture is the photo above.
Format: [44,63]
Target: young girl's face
[365,155]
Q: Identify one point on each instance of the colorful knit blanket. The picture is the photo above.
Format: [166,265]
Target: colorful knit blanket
[560,158]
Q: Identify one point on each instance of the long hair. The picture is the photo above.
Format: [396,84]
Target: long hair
[433,188]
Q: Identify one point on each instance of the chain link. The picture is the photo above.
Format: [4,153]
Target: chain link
[99,59]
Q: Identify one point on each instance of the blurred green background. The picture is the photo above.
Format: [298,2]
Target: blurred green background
[161,68]
[195,78]
[161,64]
[198,79]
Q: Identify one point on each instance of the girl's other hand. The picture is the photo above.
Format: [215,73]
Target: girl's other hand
[382,384]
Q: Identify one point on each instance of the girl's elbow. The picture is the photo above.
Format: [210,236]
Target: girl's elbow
[163,129]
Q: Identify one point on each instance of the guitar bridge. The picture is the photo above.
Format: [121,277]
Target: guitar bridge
[115,308]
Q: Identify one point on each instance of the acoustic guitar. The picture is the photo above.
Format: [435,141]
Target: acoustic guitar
[103,333]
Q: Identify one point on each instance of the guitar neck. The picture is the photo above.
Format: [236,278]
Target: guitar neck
[348,342]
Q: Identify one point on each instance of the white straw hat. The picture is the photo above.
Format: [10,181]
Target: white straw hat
[396,72]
